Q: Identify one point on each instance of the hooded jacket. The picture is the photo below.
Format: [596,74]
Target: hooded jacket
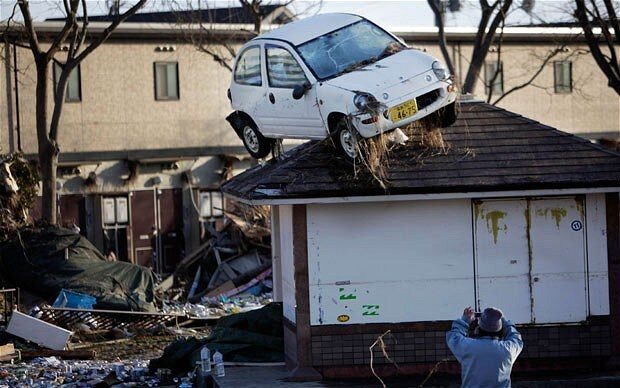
[485,361]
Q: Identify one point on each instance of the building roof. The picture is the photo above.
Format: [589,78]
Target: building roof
[492,150]
[303,30]
[229,15]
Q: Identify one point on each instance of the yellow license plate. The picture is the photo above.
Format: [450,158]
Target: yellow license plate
[404,110]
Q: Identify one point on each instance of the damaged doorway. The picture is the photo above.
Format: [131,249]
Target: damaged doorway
[115,215]
[530,258]
[157,228]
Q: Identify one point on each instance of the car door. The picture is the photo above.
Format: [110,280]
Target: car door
[248,88]
[281,114]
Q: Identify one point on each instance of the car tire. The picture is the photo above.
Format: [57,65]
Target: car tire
[447,115]
[346,138]
[255,143]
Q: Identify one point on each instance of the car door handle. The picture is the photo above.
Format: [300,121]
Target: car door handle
[272,98]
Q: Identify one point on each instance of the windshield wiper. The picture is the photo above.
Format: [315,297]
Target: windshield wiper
[358,65]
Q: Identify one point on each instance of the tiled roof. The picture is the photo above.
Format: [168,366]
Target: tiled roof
[233,15]
[492,149]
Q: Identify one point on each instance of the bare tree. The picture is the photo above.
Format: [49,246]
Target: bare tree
[595,14]
[73,38]
[222,47]
[492,15]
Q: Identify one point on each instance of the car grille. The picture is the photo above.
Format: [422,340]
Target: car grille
[427,98]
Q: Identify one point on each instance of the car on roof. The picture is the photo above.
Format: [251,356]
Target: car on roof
[337,75]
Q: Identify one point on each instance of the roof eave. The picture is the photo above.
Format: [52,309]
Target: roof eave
[611,187]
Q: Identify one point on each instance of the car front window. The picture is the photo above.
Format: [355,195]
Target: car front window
[282,68]
[348,48]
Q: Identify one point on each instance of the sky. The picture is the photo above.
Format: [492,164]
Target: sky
[389,13]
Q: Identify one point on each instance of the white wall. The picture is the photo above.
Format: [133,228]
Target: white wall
[287,266]
[414,260]
[597,254]
[390,261]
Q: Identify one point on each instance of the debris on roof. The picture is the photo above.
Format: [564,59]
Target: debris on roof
[491,149]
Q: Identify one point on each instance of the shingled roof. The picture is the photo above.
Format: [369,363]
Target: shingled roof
[492,149]
[232,15]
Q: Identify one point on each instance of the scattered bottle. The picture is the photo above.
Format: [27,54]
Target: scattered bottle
[218,360]
[205,360]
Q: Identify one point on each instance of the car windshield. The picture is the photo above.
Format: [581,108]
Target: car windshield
[347,49]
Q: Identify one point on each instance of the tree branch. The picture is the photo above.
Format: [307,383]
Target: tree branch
[108,31]
[443,45]
[70,22]
[581,14]
[33,40]
[540,69]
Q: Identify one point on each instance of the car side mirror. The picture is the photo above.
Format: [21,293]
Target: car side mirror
[300,90]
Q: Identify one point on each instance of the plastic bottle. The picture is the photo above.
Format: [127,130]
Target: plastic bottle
[205,360]
[218,360]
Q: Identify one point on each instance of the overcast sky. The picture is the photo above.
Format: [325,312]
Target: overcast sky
[389,13]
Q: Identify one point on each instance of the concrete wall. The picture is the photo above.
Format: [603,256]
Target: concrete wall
[118,110]
[591,107]
[286,255]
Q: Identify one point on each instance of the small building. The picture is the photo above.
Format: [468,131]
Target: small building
[514,214]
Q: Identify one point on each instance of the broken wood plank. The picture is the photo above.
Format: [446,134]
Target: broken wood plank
[66,354]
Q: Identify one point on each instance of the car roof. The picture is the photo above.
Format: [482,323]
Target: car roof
[303,30]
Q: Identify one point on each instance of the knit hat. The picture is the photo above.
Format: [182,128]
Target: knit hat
[491,320]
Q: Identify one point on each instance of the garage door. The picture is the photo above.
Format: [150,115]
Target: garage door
[530,258]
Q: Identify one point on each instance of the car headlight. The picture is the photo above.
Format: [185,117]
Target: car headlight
[362,100]
[440,70]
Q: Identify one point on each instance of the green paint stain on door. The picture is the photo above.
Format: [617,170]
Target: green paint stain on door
[558,213]
[493,218]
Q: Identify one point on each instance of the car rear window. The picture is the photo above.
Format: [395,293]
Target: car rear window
[247,70]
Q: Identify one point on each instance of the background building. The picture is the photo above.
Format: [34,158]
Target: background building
[145,145]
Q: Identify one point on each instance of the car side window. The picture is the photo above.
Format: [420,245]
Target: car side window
[283,70]
[247,70]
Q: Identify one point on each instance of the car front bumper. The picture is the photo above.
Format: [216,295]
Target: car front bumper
[382,123]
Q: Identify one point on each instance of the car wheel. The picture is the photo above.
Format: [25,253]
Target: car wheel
[257,145]
[346,139]
[448,115]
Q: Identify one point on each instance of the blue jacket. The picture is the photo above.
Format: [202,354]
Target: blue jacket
[485,361]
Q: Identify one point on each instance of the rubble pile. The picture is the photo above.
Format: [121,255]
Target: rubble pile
[51,371]
[19,181]
[87,309]
[229,273]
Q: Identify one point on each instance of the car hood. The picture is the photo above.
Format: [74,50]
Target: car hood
[385,73]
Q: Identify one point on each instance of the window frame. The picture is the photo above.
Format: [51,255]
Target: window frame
[272,46]
[561,89]
[167,98]
[79,81]
[260,64]
[500,75]
[210,193]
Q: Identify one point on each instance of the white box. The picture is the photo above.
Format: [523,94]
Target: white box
[38,331]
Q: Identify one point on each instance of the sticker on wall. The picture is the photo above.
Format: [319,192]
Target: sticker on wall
[343,318]
[576,225]
[345,296]
[370,309]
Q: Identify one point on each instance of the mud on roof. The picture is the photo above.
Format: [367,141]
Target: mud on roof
[492,149]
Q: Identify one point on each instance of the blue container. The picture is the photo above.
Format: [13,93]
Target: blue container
[74,300]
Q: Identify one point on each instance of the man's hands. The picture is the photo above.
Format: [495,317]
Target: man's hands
[468,314]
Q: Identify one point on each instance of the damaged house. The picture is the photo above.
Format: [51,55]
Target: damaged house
[515,214]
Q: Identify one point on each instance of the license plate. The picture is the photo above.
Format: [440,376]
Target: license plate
[404,110]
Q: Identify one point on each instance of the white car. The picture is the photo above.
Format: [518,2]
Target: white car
[334,75]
